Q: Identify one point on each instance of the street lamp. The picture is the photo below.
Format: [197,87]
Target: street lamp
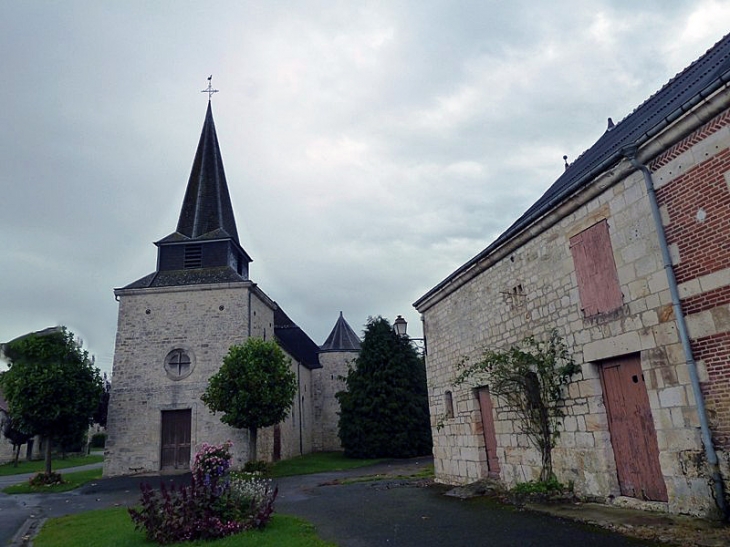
[400,326]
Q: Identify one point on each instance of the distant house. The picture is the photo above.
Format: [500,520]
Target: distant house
[177,324]
[588,259]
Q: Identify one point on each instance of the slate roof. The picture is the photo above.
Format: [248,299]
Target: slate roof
[294,340]
[199,276]
[696,82]
[207,205]
[206,215]
[342,338]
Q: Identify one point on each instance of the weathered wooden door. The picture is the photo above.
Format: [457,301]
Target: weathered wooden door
[490,436]
[277,443]
[175,439]
[632,429]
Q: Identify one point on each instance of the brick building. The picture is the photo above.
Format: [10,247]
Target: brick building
[627,255]
[175,327]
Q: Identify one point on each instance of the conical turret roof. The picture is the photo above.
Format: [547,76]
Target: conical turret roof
[207,209]
[342,338]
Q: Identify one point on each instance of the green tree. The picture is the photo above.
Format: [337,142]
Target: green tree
[51,385]
[384,412]
[16,437]
[254,388]
[529,379]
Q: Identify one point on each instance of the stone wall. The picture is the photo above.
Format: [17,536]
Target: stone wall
[327,382]
[203,320]
[533,289]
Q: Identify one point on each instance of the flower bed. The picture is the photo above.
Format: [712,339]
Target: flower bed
[217,503]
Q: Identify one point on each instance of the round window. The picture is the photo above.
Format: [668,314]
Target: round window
[178,364]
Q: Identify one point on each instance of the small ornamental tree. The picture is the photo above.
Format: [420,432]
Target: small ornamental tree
[51,385]
[254,388]
[530,379]
[384,412]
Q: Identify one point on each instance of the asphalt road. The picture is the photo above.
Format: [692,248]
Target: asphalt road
[388,512]
[404,514]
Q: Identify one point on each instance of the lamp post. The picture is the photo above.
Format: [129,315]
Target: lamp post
[400,326]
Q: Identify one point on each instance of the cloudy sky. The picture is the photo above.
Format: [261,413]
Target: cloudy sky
[370,147]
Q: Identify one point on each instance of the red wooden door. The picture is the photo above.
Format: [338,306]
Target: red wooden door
[175,451]
[490,437]
[632,429]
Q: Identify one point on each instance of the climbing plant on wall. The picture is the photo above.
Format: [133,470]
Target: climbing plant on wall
[530,380]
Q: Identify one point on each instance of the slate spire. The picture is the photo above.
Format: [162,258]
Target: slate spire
[342,338]
[207,205]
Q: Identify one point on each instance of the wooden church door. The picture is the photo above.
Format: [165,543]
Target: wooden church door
[632,430]
[175,439]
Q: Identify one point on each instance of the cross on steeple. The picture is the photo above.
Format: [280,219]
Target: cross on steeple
[209,90]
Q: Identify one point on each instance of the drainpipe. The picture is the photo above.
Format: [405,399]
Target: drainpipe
[712,461]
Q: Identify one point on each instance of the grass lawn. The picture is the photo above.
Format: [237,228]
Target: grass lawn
[317,463]
[39,465]
[73,480]
[114,528]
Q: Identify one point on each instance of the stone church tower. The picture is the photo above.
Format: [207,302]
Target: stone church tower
[336,356]
[176,325]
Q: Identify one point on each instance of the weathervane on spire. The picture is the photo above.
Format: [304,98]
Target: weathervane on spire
[210,89]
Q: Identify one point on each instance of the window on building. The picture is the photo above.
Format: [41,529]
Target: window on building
[193,257]
[449,404]
[178,364]
[595,269]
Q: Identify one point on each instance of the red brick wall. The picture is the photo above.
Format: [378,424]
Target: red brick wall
[689,141]
[706,301]
[714,351]
[704,246]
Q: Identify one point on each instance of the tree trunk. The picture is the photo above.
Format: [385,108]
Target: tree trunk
[547,463]
[16,454]
[48,455]
[252,435]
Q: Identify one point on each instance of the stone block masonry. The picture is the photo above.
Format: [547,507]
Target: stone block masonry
[203,321]
[485,312]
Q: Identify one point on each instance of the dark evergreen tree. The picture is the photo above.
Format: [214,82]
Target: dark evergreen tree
[384,412]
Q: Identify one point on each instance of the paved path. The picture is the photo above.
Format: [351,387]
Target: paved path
[389,512]
[405,513]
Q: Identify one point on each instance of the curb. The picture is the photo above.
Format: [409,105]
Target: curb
[25,534]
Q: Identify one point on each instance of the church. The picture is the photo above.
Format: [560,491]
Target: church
[176,325]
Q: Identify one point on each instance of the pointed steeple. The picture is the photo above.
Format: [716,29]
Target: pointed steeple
[206,208]
[205,248]
[342,338]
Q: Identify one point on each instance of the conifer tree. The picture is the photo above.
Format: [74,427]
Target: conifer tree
[384,412]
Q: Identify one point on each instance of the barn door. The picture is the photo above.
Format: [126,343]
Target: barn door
[490,437]
[632,429]
[175,439]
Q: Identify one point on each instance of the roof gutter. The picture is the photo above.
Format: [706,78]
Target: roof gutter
[712,460]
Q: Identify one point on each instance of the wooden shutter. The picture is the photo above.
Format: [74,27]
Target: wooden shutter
[595,269]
